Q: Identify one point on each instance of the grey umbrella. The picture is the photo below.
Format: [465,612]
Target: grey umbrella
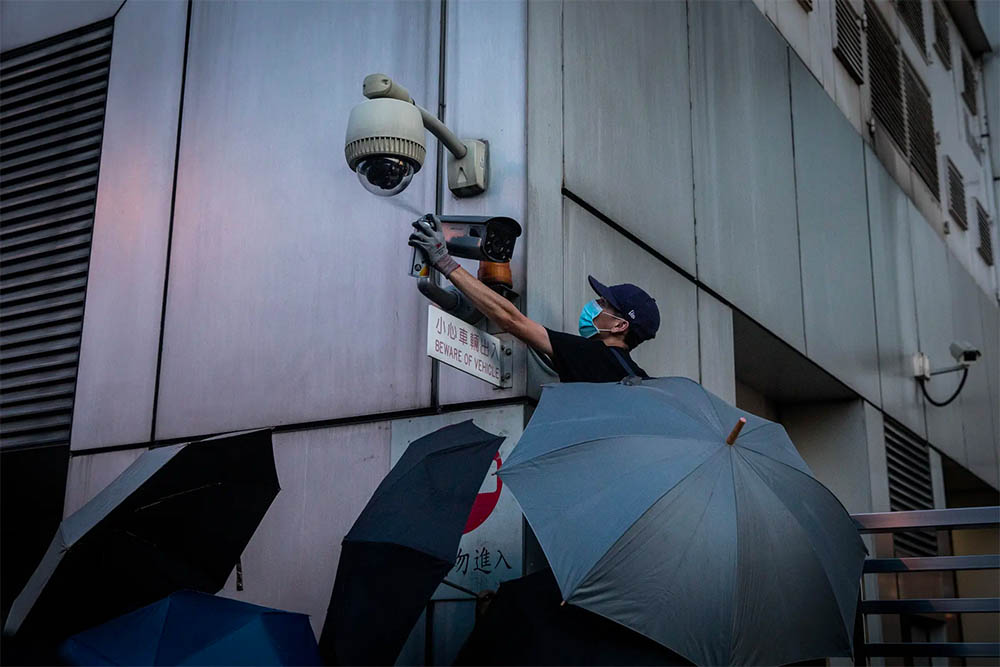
[726,554]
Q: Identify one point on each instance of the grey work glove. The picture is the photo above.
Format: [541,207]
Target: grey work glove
[429,239]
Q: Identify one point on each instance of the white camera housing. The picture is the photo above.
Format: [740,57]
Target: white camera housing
[965,353]
[385,143]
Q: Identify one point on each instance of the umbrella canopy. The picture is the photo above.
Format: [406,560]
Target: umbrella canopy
[178,517]
[191,628]
[727,554]
[403,544]
[525,624]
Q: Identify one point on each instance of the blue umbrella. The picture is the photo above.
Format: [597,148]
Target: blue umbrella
[191,628]
[724,553]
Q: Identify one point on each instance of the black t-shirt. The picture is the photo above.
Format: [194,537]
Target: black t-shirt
[579,359]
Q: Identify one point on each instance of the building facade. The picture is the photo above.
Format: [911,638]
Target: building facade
[808,188]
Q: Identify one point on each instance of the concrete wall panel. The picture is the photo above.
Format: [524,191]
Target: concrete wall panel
[627,118]
[935,334]
[121,329]
[486,99]
[744,177]
[592,247]
[895,301]
[977,407]
[833,440]
[288,289]
[833,236]
[715,346]
[990,314]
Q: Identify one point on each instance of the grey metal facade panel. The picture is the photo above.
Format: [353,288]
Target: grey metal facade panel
[327,477]
[935,333]
[89,474]
[26,21]
[121,328]
[744,176]
[838,303]
[978,409]
[592,247]
[288,298]
[628,118]
[895,301]
[543,251]
[486,98]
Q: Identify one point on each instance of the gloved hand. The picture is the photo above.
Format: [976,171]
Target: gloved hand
[429,239]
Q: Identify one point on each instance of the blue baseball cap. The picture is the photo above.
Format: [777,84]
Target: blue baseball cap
[635,305]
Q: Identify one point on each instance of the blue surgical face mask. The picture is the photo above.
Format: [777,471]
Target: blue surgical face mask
[586,325]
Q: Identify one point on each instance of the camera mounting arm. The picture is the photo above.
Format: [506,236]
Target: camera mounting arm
[468,168]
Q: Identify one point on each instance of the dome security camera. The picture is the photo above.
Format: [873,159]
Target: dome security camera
[385,143]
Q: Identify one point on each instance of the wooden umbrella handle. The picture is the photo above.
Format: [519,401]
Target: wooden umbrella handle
[736,430]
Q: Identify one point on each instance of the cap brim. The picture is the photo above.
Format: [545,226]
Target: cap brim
[604,292]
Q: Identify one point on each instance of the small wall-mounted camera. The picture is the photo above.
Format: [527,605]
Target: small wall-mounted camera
[965,353]
[482,237]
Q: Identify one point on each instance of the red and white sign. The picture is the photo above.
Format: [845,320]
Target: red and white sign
[465,347]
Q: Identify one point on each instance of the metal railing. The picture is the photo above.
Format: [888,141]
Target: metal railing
[945,519]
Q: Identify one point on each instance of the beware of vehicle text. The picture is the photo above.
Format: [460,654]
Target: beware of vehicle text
[465,347]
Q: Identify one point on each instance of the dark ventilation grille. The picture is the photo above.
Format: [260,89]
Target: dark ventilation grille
[956,196]
[985,239]
[806,5]
[920,119]
[912,14]
[942,38]
[969,84]
[52,112]
[885,77]
[909,486]
[848,40]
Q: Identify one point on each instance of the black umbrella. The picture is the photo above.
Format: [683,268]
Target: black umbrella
[403,544]
[527,624]
[178,517]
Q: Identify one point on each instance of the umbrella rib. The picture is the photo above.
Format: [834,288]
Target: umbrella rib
[712,404]
[736,574]
[175,495]
[826,575]
[576,443]
[647,511]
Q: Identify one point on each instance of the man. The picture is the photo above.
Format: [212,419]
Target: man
[610,326]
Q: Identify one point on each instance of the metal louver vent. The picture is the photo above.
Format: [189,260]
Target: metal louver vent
[885,77]
[848,40]
[52,99]
[807,5]
[956,196]
[968,84]
[910,487]
[985,238]
[920,120]
[942,37]
[911,12]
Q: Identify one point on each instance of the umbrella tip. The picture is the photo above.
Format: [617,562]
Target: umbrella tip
[736,431]
[563,603]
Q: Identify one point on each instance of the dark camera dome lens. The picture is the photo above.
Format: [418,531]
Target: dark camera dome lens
[385,176]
